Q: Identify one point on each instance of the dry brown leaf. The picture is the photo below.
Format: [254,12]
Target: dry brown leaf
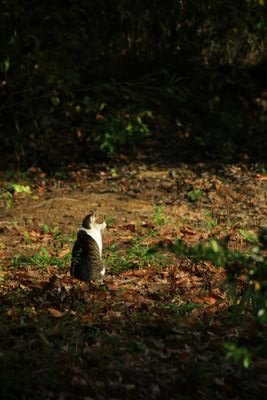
[261,177]
[63,253]
[127,238]
[112,315]
[206,299]
[130,227]
[157,287]
[55,313]
[184,282]
[144,272]
[34,236]
[187,231]
[88,320]
[113,286]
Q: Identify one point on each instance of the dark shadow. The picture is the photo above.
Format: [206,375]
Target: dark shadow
[129,351]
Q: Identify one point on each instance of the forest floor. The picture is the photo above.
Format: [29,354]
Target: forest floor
[158,326]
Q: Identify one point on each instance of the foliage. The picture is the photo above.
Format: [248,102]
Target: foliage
[40,260]
[10,190]
[194,195]
[17,188]
[236,264]
[62,68]
[114,134]
[239,355]
[246,282]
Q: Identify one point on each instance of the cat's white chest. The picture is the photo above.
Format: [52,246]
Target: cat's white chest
[96,235]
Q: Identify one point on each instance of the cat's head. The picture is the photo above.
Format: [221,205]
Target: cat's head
[91,221]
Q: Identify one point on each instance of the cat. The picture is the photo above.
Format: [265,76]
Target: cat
[86,260]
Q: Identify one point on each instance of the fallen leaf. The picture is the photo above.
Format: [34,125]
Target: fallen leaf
[112,315]
[207,299]
[261,177]
[184,282]
[113,286]
[88,320]
[187,231]
[63,253]
[130,227]
[55,313]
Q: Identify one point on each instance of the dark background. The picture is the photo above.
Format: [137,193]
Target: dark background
[84,80]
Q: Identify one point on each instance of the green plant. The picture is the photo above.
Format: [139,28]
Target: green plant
[40,260]
[249,236]
[210,221]
[236,264]
[238,354]
[8,191]
[180,309]
[136,256]
[55,230]
[140,254]
[6,199]
[110,220]
[18,188]
[159,218]
[26,237]
[194,195]
[113,134]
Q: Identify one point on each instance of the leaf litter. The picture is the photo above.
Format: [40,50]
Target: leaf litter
[157,326]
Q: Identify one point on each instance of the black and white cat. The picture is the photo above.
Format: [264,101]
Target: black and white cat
[86,261]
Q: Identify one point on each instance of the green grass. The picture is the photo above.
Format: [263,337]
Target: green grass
[249,236]
[42,259]
[179,309]
[136,256]
[159,216]
[194,195]
[210,221]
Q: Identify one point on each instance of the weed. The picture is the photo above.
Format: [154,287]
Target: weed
[210,221]
[238,354]
[7,194]
[26,237]
[55,231]
[138,255]
[249,236]
[6,199]
[110,220]
[159,218]
[180,309]
[17,188]
[40,260]
[114,133]
[138,346]
[194,195]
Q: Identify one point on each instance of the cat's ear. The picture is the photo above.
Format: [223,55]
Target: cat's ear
[93,217]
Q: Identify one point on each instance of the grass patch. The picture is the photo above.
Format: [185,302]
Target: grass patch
[42,259]
[137,256]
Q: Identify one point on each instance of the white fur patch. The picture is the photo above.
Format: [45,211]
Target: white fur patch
[95,233]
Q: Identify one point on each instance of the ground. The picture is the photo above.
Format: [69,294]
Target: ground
[158,327]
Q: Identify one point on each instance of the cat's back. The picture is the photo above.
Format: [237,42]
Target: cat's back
[86,260]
